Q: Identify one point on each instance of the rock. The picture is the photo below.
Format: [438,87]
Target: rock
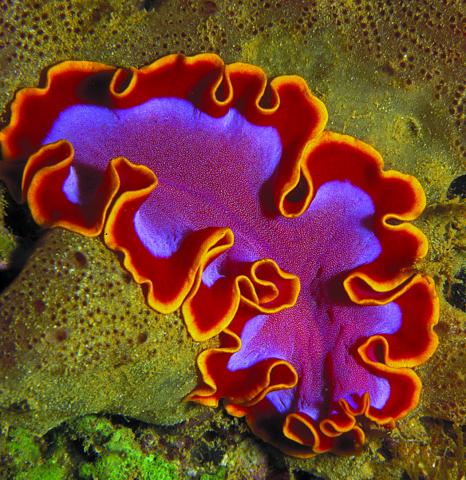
[76,337]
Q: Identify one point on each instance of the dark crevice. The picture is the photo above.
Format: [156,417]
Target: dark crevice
[150,5]
[455,290]
[19,222]
[457,188]
[447,426]
[303,475]
[388,449]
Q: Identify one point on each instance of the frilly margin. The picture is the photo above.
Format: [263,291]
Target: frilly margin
[389,356]
[215,88]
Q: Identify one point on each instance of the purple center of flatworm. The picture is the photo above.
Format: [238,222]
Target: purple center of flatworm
[212,172]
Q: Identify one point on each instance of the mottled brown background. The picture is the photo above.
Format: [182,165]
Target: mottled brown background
[390,73]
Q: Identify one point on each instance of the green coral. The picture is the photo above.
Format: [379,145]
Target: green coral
[23,450]
[47,471]
[120,457]
[220,474]
[90,354]
[94,448]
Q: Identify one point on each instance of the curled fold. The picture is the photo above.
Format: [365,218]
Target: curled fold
[184,267]
[246,387]
[262,285]
[395,196]
[34,109]
[43,183]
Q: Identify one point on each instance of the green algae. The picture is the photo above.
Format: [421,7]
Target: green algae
[23,447]
[219,475]
[23,450]
[116,455]
[99,448]
[120,457]
[117,449]
[48,471]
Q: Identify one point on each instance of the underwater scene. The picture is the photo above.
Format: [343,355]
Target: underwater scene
[232,240]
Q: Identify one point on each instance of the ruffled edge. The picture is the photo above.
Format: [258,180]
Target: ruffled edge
[389,356]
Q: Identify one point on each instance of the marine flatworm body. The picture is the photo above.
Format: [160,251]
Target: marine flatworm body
[229,200]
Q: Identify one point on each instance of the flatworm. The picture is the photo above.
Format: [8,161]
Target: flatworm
[229,200]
